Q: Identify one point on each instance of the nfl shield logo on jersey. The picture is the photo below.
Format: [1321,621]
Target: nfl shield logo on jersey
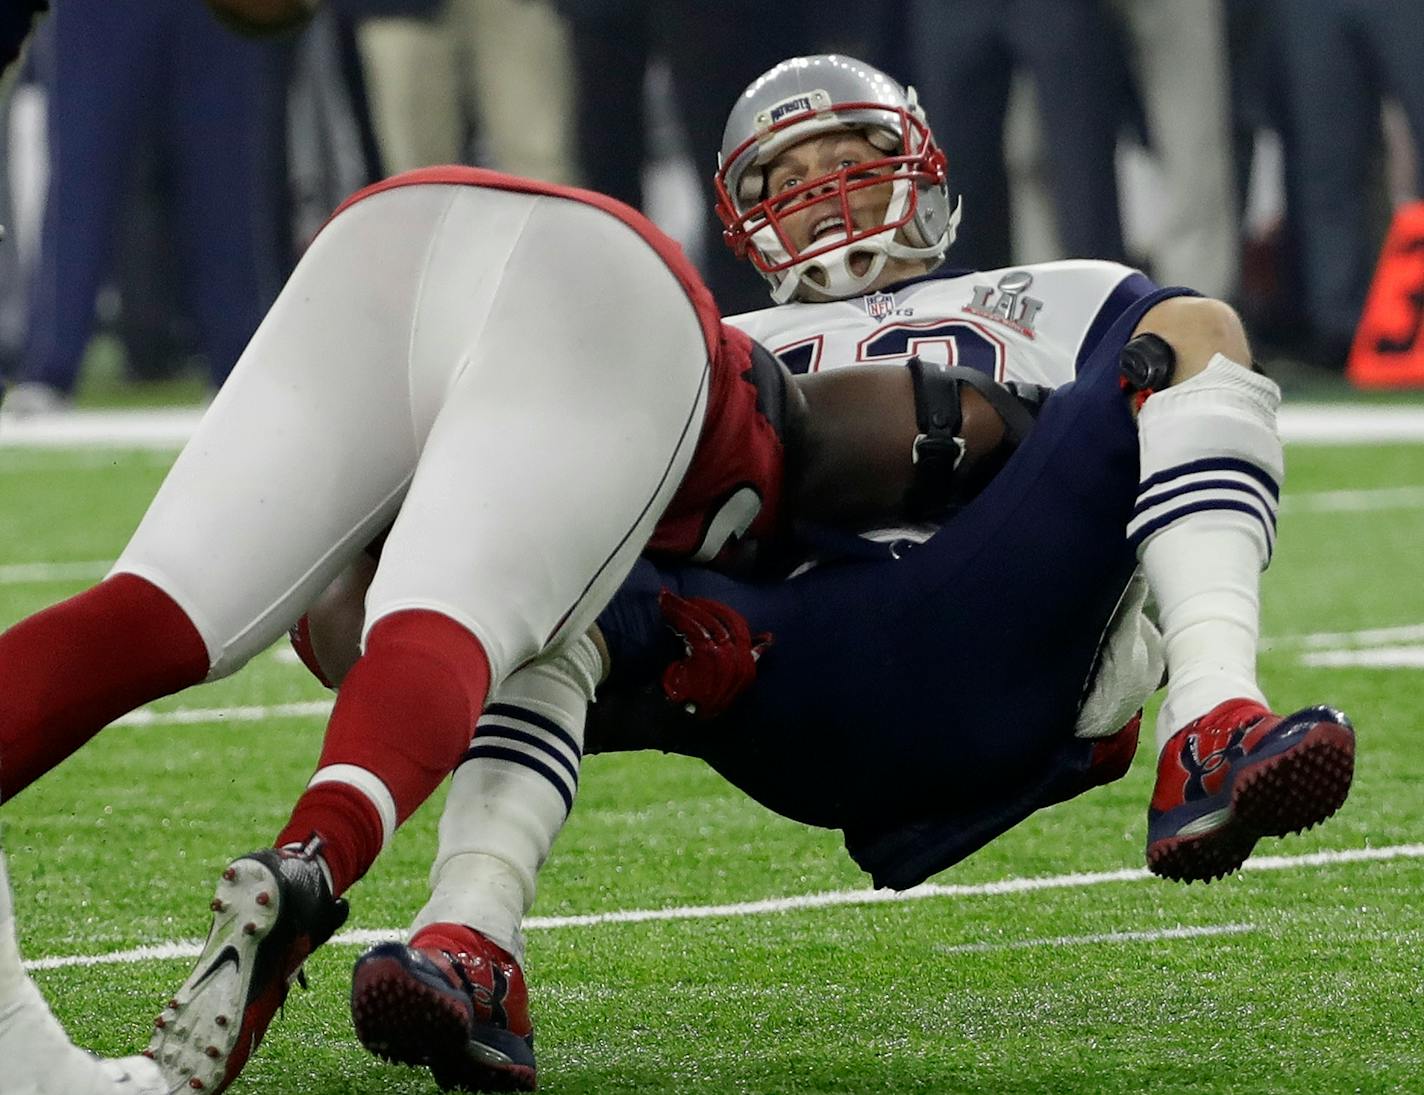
[879,305]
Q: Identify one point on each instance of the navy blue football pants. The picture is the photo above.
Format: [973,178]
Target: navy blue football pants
[944,682]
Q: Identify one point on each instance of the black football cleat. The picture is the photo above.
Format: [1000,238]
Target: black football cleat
[271,910]
[452,1001]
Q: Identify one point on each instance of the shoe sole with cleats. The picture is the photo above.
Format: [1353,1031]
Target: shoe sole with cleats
[210,1027]
[1272,794]
[407,1016]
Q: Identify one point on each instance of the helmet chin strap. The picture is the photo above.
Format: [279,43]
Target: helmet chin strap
[840,281]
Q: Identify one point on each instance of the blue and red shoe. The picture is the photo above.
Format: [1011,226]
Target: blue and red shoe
[452,1001]
[1239,773]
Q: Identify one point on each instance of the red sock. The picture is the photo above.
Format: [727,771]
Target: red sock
[402,720]
[69,671]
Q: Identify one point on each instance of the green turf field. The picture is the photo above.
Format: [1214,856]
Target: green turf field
[1303,976]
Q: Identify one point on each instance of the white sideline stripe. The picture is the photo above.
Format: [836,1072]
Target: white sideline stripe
[832,899]
[189,716]
[1370,636]
[1349,423]
[170,428]
[1329,501]
[34,573]
[134,429]
[1354,501]
[1198,932]
[1388,657]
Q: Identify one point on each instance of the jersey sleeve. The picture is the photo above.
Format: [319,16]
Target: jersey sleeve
[1130,288]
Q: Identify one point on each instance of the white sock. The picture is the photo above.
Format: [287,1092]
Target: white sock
[510,798]
[1204,527]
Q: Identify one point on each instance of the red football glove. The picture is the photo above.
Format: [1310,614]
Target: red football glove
[721,658]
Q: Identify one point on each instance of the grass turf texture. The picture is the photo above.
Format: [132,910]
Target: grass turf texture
[1310,984]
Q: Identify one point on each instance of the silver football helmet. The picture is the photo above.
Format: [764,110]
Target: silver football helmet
[800,98]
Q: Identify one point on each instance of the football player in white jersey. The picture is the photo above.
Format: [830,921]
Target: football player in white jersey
[1156,464]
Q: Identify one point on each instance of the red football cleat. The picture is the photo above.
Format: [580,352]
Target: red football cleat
[453,1001]
[1239,773]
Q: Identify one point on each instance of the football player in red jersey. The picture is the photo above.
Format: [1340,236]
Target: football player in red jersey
[515,389]
[1158,464]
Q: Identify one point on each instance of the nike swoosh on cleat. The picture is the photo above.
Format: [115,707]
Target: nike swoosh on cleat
[226,955]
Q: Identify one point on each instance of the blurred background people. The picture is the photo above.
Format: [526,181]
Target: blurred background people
[15,21]
[151,150]
[711,53]
[964,55]
[1176,52]
[122,72]
[1339,61]
[441,72]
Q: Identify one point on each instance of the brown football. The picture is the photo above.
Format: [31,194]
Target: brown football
[263,18]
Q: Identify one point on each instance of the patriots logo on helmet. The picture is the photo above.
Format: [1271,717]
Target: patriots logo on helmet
[791,106]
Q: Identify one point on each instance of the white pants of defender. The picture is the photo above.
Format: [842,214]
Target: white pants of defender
[517,380]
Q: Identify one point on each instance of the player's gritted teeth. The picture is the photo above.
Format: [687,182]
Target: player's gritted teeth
[827,226]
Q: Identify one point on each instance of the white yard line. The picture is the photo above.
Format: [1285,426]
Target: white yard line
[1198,932]
[15,574]
[196,716]
[1350,423]
[1304,423]
[1354,501]
[805,902]
[131,429]
[1387,657]
[1370,636]
[1330,501]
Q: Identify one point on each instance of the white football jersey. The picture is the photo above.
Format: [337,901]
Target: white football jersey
[1030,323]
[1033,323]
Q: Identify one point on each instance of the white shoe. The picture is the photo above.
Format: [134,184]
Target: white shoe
[39,1058]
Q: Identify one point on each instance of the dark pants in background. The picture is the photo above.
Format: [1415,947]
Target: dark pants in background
[1339,58]
[964,54]
[713,51]
[164,71]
